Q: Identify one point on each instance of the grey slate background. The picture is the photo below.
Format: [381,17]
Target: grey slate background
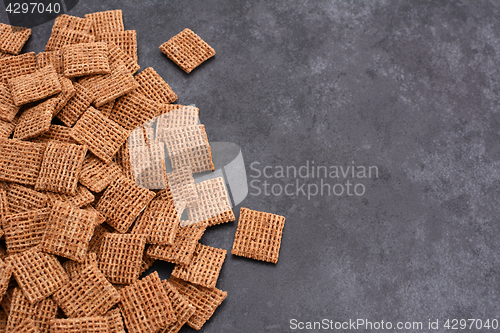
[409,86]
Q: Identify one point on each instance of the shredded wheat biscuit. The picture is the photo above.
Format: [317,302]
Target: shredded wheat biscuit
[97,174]
[148,166]
[55,133]
[69,30]
[15,66]
[147,262]
[74,268]
[79,325]
[187,50]
[27,326]
[12,38]
[182,309]
[21,199]
[6,128]
[133,109]
[67,92]
[154,87]
[54,58]
[35,120]
[76,106]
[34,86]
[107,21]
[123,159]
[99,232]
[20,161]
[106,109]
[180,117]
[25,230]
[82,197]
[85,59]
[115,321]
[126,40]
[7,299]
[117,55]
[8,109]
[182,188]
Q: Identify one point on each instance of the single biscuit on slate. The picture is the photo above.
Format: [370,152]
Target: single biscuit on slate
[182,309]
[21,199]
[76,106]
[12,38]
[115,321]
[80,325]
[82,197]
[35,120]
[154,87]
[102,136]
[6,270]
[15,66]
[116,56]
[34,86]
[40,313]
[25,230]
[38,274]
[55,133]
[54,58]
[125,40]
[20,161]
[120,257]
[181,252]
[122,202]
[187,50]
[106,21]
[96,174]
[87,294]
[61,168]
[204,300]
[204,267]
[133,109]
[145,305]
[8,109]
[69,231]
[258,235]
[85,59]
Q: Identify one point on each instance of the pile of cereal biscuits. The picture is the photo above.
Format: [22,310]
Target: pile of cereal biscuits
[86,204]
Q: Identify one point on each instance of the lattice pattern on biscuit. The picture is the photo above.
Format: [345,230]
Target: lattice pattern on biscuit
[122,202]
[99,232]
[25,230]
[4,205]
[40,313]
[6,128]
[148,166]
[18,65]
[204,267]
[133,110]
[147,262]
[182,309]
[82,197]
[115,321]
[107,21]
[69,30]
[8,109]
[145,305]
[204,300]
[102,135]
[183,248]
[55,133]
[34,86]
[159,222]
[123,159]
[6,270]
[116,55]
[188,146]
[126,40]
[7,299]
[154,87]
[21,199]
[74,268]
[20,161]
[258,235]
[187,50]
[96,174]
[12,38]
[80,325]
[106,109]
[141,136]
[212,206]
[27,326]
[87,294]
[35,120]
[67,92]
[69,231]
[61,167]
[120,257]
[180,117]
[38,274]
[76,106]
[86,59]
[54,58]
[65,21]
[182,188]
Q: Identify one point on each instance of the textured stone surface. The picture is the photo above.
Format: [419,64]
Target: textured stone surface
[409,86]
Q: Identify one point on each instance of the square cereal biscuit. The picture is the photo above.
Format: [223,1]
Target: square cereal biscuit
[96,174]
[38,274]
[101,135]
[76,106]
[87,294]
[20,161]
[35,121]
[145,305]
[25,230]
[69,231]
[61,167]
[82,197]
[85,59]
[68,30]
[12,38]
[133,109]
[8,109]
[148,165]
[187,50]
[106,21]
[204,267]
[258,235]
[122,202]
[21,199]
[27,326]
[182,309]
[15,66]
[34,86]
[154,87]
[80,325]
[120,257]
[117,56]
[125,40]
[74,268]
[55,133]
[54,58]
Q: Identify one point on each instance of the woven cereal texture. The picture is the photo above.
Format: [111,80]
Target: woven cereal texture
[8,109]
[154,87]
[38,274]
[55,133]
[54,58]
[123,159]
[61,167]
[69,231]
[145,305]
[88,294]
[85,59]
[12,38]
[35,120]
[181,252]
[182,188]
[102,136]
[107,21]
[125,40]
[117,55]
[204,300]
[133,110]
[120,257]
[20,161]
[82,197]
[34,86]
[181,117]
[106,109]
[18,65]
[67,92]
[7,300]
[25,230]
[122,202]
[148,166]
[258,235]
[27,326]
[187,50]
[76,106]
[100,231]
[213,206]
[80,325]
[96,174]
[40,313]
[6,129]
[5,275]
[69,30]
[21,199]
[74,268]
[182,309]
[115,321]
